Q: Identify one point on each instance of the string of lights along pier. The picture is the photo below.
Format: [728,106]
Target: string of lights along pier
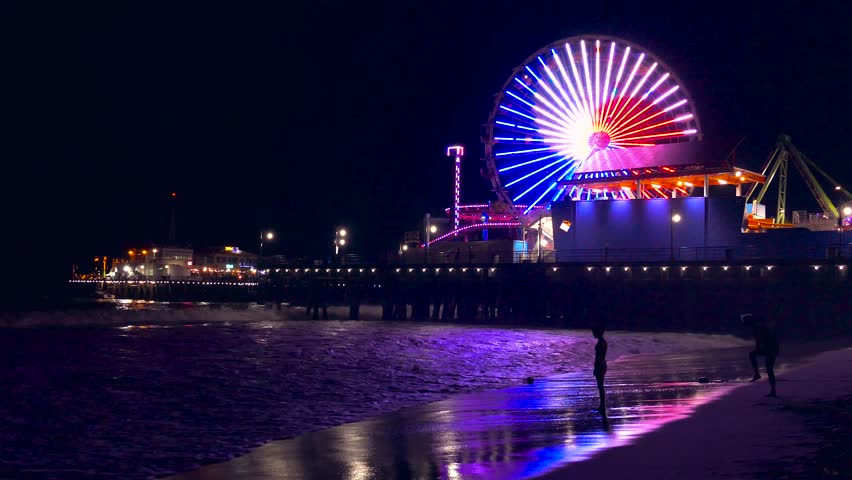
[574,99]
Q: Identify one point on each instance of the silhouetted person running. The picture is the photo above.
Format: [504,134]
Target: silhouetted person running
[765,344]
[600,365]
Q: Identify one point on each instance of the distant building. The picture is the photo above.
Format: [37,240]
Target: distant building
[224,260]
[170,262]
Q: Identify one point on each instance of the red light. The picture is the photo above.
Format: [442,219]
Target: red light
[174,194]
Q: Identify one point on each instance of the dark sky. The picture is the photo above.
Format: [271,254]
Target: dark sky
[301,117]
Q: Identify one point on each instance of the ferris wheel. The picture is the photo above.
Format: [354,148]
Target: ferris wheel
[572,100]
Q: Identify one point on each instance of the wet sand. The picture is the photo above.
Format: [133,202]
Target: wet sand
[149,400]
[743,435]
[520,432]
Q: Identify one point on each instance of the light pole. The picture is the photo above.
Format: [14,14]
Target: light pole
[427,227]
[267,236]
[339,242]
[675,220]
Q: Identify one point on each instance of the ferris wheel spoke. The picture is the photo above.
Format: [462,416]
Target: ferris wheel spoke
[644,79]
[541,159]
[502,154]
[577,79]
[644,97]
[663,135]
[620,129]
[675,105]
[618,126]
[557,111]
[577,102]
[615,89]
[654,86]
[515,127]
[566,121]
[569,108]
[681,118]
[597,83]
[619,107]
[561,113]
[591,96]
[517,113]
[513,182]
[518,98]
[577,111]
[568,164]
[604,99]
[552,185]
[633,94]
[631,128]
[547,121]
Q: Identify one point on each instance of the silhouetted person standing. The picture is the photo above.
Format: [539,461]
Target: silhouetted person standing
[765,344]
[600,365]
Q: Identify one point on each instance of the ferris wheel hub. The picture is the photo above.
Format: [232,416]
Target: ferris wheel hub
[599,140]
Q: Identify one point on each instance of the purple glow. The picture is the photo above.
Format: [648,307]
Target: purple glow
[475,226]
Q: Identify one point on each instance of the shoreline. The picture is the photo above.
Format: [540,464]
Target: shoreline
[600,452]
[742,434]
[234,388]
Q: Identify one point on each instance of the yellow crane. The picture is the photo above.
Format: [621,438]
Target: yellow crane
[777,164]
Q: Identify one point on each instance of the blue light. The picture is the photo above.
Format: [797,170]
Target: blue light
[529,162]
[504,138]
[569,172]
[534,172]
[522,151]
[539,198]
[520,99]
[567,164]
[527,128]
[504,123]
[532,73]
[516,112]
[521,83]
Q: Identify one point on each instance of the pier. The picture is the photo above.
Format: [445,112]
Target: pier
[624,293]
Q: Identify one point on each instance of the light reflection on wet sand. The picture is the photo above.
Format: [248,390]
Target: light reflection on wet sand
[519,432]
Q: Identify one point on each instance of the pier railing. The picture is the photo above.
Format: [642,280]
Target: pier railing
[631,255]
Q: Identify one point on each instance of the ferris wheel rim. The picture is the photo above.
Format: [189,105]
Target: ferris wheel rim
[489,141]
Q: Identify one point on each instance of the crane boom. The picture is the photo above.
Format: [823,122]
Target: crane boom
[819,194]
[822,172]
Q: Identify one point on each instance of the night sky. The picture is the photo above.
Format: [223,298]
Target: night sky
[303,117]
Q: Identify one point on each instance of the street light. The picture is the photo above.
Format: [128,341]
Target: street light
[847,211]
[433,228]
[339,241]
[676,218]
[268,236]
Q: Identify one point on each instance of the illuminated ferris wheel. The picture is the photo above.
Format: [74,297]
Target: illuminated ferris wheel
[573,101]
